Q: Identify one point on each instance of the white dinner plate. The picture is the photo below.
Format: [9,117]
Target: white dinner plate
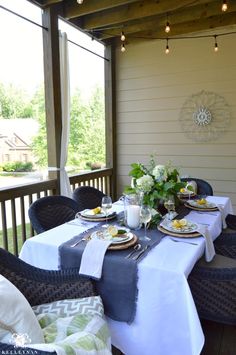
[186,193]
[103,235]
[189,228]
[89,213]
[207,205]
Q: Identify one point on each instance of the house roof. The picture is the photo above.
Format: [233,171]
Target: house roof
[106,19]
[24,129]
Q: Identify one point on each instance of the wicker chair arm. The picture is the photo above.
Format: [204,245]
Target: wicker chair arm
[225,244]
[43,286]
[213,286]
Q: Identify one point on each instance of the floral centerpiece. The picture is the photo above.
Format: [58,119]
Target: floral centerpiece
[154,183]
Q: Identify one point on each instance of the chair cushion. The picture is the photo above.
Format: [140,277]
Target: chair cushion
[16,315]
[64,308]
[74,326]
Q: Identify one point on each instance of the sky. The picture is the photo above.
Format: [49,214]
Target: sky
[21,54]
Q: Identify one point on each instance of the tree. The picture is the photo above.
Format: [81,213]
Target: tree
[87,130]
[14,102]
[39,142]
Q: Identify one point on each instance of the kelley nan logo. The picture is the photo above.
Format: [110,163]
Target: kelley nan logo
[20,340]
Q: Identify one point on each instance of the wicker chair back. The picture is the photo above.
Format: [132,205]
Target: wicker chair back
[87,197]
[203,187]
[51,211]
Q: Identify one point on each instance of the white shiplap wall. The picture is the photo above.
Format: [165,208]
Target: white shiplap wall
[151,89]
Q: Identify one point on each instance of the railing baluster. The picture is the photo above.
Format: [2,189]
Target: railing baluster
[14,227]
[23,227]
[31,228]
[4,226]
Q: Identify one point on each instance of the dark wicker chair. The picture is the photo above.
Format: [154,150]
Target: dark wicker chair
[213,286]
[87,197]
[42,286]
[203,187]
[225,244]
[51,211]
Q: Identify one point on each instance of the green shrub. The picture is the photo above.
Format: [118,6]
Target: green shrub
[17,166]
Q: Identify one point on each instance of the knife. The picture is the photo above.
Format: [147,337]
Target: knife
[137,256]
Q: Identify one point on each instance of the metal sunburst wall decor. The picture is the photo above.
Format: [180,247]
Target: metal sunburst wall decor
[204,116]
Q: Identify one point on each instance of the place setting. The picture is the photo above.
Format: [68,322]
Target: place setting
[201,204]
[100,213]
[184,228]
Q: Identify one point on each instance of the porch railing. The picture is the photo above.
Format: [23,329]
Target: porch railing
[15,226]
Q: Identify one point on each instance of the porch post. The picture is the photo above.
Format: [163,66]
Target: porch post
[110,116]
[52,88]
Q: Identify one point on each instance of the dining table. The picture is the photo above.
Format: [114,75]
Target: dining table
[166,321]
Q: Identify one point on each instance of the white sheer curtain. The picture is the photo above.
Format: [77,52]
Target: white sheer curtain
[65,110]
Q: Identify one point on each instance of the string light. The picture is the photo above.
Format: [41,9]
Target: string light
[80,2]
[224,6]
[122,37]
[167,46]
[216,44]
[167,28]
[123,49]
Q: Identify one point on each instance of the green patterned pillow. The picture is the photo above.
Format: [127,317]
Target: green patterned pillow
[66,308]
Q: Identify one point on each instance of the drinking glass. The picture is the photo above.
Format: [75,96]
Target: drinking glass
[169,204]
[146,216]
[106,206]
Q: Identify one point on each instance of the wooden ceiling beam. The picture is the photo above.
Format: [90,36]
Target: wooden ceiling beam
[72,9]
[46,3]
[137,10]
[190,27]
[186,15]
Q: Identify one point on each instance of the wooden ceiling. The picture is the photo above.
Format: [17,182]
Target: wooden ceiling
[106,19]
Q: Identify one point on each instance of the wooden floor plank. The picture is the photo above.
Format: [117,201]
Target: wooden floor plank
[228,346]
[213,337]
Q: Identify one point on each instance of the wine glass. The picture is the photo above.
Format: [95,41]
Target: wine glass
[146,216]
[169,204]
[106,206]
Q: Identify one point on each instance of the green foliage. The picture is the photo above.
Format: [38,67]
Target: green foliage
[17,166]
[87,130]
[87,124]
[14,102]
[39,142]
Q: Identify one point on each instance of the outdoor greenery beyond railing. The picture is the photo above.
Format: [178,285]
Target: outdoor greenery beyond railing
[15,201]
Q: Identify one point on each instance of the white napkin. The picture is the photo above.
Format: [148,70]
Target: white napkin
[223,214]
[92,258]
[209,246]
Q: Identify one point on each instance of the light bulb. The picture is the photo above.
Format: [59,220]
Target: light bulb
[224,6]
[167,28]
[167,47]
[122,37]
[216,45]
[123,49]
[80,2]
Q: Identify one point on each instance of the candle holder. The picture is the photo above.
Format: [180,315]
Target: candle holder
[132,211]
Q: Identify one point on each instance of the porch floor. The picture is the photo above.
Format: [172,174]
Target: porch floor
[220,339]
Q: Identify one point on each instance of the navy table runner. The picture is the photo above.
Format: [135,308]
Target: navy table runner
[118,284]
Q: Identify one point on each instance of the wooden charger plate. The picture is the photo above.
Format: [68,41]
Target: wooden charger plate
[102,219]
[124,245]
[210,209]
[180,235]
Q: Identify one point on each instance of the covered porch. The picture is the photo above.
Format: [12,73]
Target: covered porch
[152,97]
[153,100]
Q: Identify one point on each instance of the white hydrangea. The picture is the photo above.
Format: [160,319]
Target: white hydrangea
[160,173]
[145,183]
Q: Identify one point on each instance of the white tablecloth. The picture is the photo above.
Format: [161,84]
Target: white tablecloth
[166,321]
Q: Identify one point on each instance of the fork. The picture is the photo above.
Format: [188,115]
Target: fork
[79,241]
